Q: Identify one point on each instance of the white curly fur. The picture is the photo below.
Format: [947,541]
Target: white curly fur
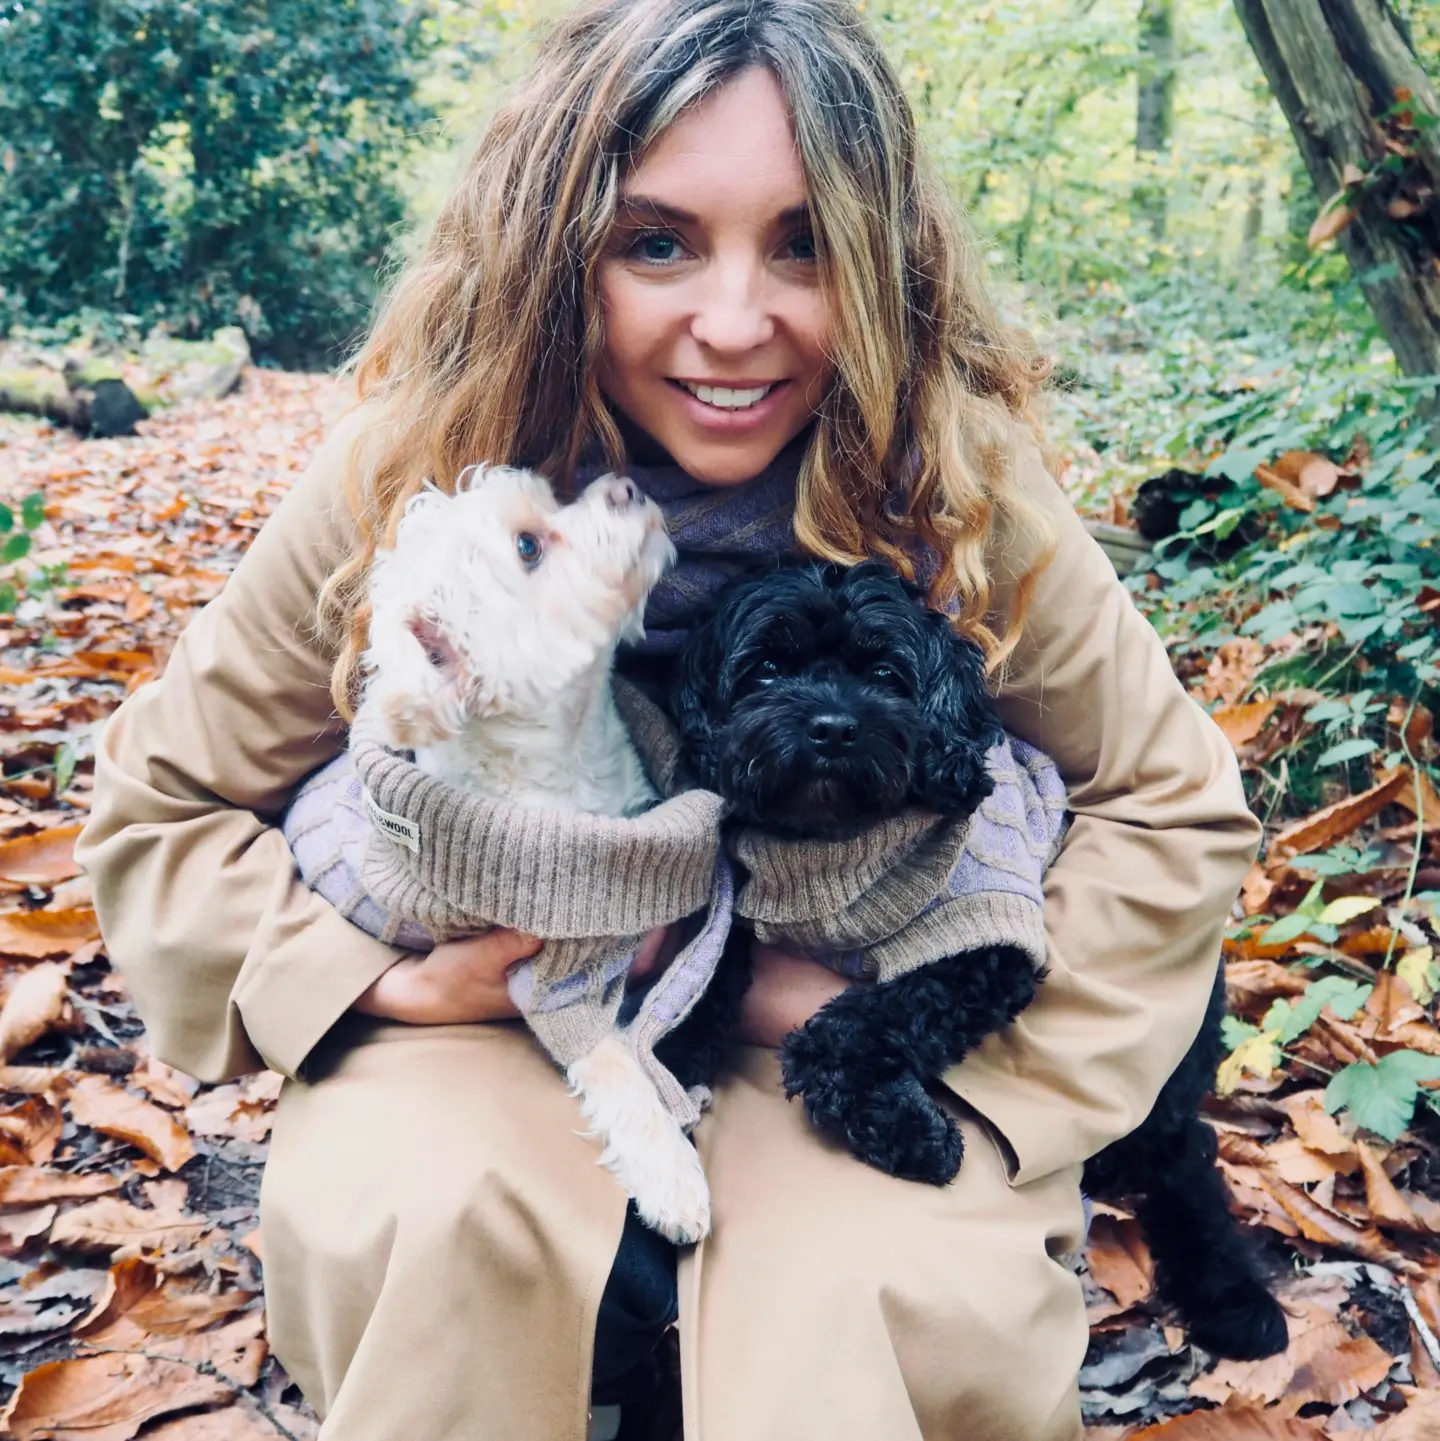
[494,668]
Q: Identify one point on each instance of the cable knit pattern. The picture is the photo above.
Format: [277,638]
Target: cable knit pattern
[420,862]
[916,887]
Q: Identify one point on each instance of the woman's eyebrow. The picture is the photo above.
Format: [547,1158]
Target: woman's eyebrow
[647,207]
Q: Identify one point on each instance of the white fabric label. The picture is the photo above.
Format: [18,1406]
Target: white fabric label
[407,833]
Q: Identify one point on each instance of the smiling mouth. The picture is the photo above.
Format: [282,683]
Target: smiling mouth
[726,397]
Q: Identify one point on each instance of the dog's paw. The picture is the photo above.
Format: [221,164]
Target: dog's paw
[673,1196]
[891,1124]
[644,1147]
[1243,1323]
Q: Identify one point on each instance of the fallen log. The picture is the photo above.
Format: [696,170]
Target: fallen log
[89,402]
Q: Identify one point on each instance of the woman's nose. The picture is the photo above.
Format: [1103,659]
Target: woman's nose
[732,314]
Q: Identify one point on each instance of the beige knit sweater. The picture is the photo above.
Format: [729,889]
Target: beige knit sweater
[437,863]
[918,886]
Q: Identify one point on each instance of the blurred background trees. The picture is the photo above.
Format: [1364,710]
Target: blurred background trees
[1125,161]
[206,162]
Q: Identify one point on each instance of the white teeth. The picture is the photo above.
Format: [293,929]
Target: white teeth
[724,398]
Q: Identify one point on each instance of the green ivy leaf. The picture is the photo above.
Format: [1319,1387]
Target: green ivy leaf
[7,519]
[1293,1018]
[65,758]
[16,548]
[32,511]
[1235,1032]
[1287,928]
[1382,1097]
[8,598]
[1347,751]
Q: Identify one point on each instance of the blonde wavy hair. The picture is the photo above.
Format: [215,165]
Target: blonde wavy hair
[487,344]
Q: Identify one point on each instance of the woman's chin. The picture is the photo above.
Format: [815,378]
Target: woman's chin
[725,461]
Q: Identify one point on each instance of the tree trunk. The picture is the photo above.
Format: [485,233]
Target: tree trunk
[1352,89]
[1155,101]
[1155,111]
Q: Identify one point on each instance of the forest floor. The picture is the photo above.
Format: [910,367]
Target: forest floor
[130,1263]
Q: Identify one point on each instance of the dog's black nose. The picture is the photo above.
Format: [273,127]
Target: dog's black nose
[622,494]
[832,734]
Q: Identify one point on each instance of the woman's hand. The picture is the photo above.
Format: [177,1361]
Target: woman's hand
[464,980]
[785,992]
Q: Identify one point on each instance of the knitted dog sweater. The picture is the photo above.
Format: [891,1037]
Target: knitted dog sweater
[415,861]
[917,886]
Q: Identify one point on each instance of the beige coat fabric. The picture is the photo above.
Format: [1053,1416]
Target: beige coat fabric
[437,1234]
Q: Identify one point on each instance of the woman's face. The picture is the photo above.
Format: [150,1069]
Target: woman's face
[715,329]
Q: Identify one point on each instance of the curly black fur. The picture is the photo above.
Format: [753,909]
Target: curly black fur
[1205,1266]
[817,700]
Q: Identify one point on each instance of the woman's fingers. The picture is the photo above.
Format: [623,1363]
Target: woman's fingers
[459,981]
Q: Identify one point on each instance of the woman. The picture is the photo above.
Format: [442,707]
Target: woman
[698,245]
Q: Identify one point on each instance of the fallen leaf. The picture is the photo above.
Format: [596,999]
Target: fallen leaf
[1290,493]
[1231,1423]
[1321,830]
[1419,1421]
[36,935]
[30,1185]
[32,1005]
[1256,891]
[40,1307]
[111,1109]
[1324,1363]
[164,1083]
[1417,969]
[110,1224]
[1316,1127]
[33,1129]
[1119,1260]
[32,1080]
[18,1227]
[1257,1055]
[1386,1204]
[1391,1002]
[1310,473]
[233,1423]
[44,858]
[156,1305]
[1318,1224]
[237,1350]
[1242,723]
[104,1398]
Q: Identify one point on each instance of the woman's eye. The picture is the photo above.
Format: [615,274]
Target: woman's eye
[802,247]
[656,247]
[529,549]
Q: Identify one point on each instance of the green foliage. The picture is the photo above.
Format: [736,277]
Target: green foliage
[207,163]
[1290,1020]
[1382,1097]
[15,532]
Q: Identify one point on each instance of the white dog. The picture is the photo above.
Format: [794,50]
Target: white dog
[495,619]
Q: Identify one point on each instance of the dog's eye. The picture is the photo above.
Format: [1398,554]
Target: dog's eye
[885,675]
[766,672]
[529,549]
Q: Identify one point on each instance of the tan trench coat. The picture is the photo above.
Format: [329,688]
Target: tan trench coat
[437,1234]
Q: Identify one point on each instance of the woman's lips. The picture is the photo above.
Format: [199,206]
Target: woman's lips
[731,420]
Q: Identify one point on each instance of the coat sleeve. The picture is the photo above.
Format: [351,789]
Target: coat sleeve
[233,962]
[1136,902]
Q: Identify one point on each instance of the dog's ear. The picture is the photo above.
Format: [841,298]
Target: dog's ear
[692,698]
[961,725]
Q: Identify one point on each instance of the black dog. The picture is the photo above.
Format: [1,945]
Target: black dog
[818,700]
